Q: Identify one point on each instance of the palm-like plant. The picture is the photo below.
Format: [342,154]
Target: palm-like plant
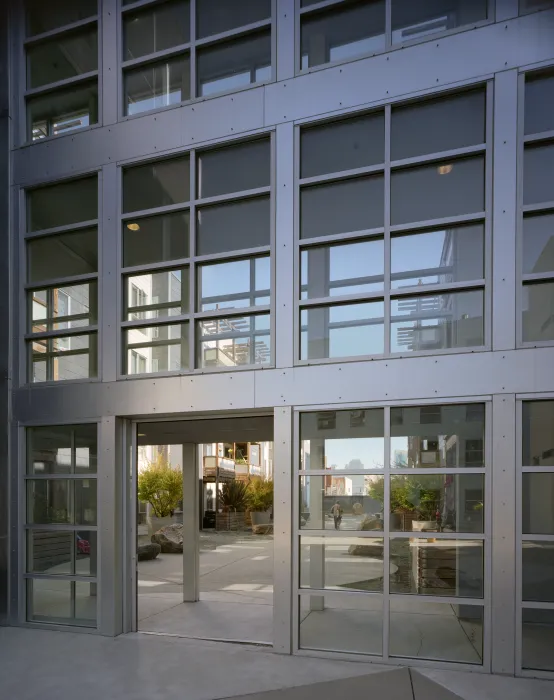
[233,495]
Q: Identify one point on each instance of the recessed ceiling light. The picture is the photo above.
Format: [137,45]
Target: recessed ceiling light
[445,169]
[133,227]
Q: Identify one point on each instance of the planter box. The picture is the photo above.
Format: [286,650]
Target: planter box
[230,521]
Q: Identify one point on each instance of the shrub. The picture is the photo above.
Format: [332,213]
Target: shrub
[260,494]
[161,485]
[234,495]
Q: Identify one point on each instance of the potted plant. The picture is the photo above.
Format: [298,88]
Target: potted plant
[161,486]
[233,498]
[260,500]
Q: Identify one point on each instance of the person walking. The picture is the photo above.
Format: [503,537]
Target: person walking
[336,510]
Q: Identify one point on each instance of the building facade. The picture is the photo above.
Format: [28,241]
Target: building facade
[337,213]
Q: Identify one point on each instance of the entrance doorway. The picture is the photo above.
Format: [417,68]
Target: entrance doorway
[204,528]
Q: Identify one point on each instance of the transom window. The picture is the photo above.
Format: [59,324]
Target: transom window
[176,50]
[393,230]
[197,278]
[61,48]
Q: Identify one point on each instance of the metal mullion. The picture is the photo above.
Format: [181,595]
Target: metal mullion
[59,477]
[387,237]
[54,354]
[153,307]
[342,237]
[433,289]
[340,472]
[59,577]
[388,25]
[232,254]
[154,344]
[437,223]
[454,153]
[236,33]
[167,209]
[318,6]
[540,136]
[68,228]
[541,206]
[238,296]
[538,277]
[60,282]
[156,56]
[543,470]
[66,333]
[342,534]
[340,300]
[447,600]
[192,234]
[356,405]
[537,605]
[155,322]
[66,29]
[525,537]
[361,323]
[61,84]
[446,471]
[480,536]
[341,175]
[230,313]
[489,212]
[164,265]
[137,5]
[386,534]
[232,196]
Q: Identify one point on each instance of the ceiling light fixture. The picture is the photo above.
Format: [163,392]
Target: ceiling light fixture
[133,227]
[445,169]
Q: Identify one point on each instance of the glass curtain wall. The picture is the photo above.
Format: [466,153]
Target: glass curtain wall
[536,527]
[197,238]
[393,230]
[537,228]
[178,50]
[61,50]
[391,531]
[61,531]
[62,280]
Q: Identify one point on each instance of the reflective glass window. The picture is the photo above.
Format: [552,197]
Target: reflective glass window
[537,567]
[156,184]
[233,226]
[62,449]
[63,358]
[63,255]
[157,85]
[152,239]
[64,203]
[156,28]
[62,111]
[416,20]
[538,243]
[538,312]
[538,164]
[44,17]
[157,294]
[60,308]
[66,56]
[234,284]
[218,16]
[234,341]
[538,434]
[245,166]
[537,639]
[151,349]
[539,103]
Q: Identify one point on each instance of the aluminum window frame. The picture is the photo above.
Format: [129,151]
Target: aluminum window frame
[520,604]
[327,6]
[25,527]
[387,230]
[76,81]
[191,48]
[193,261]
[25,305]
[527,210]
[485,603]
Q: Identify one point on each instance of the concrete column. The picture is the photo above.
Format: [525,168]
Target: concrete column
[191,551]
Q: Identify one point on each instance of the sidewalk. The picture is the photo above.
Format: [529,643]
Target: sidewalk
[64,666]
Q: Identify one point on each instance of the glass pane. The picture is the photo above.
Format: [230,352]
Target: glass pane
[342,33]
[155,239]
[538,164]
[346,330]
[49,601]
[232,169]
[156,28]
[231,285]
[61,308]
[438,437]
[157,295]
[235,226]
[335,622]
[218,16]
[49,552]
[234,64]
[436,631]
[538,310]
[71,357]
[538,243]
[438,125]
[414,20]
[85,501]
[64,57]
[49,449]
[43,16]
[342,440]
[156,184]
[343,145]
[429,566]
[349,563]
[157,85]
[234,341]
[157,349]
[358,496]
[538,639]
[439,190]
[537,566]
[86,552]
[528,6]
[453,254]
[436,503]
[62,204]
[342,207]
[48,501]
[64,255]
[538,434]
[539,103]
[437,322]
[62,111]
[85,603]
[353,268]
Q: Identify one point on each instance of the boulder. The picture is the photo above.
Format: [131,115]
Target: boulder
[170,539]
[146,552]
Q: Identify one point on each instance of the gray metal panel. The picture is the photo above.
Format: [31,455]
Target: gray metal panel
[505,211]
[108,277]
[284,28]
[109,61]
[237,429]
[504,533]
